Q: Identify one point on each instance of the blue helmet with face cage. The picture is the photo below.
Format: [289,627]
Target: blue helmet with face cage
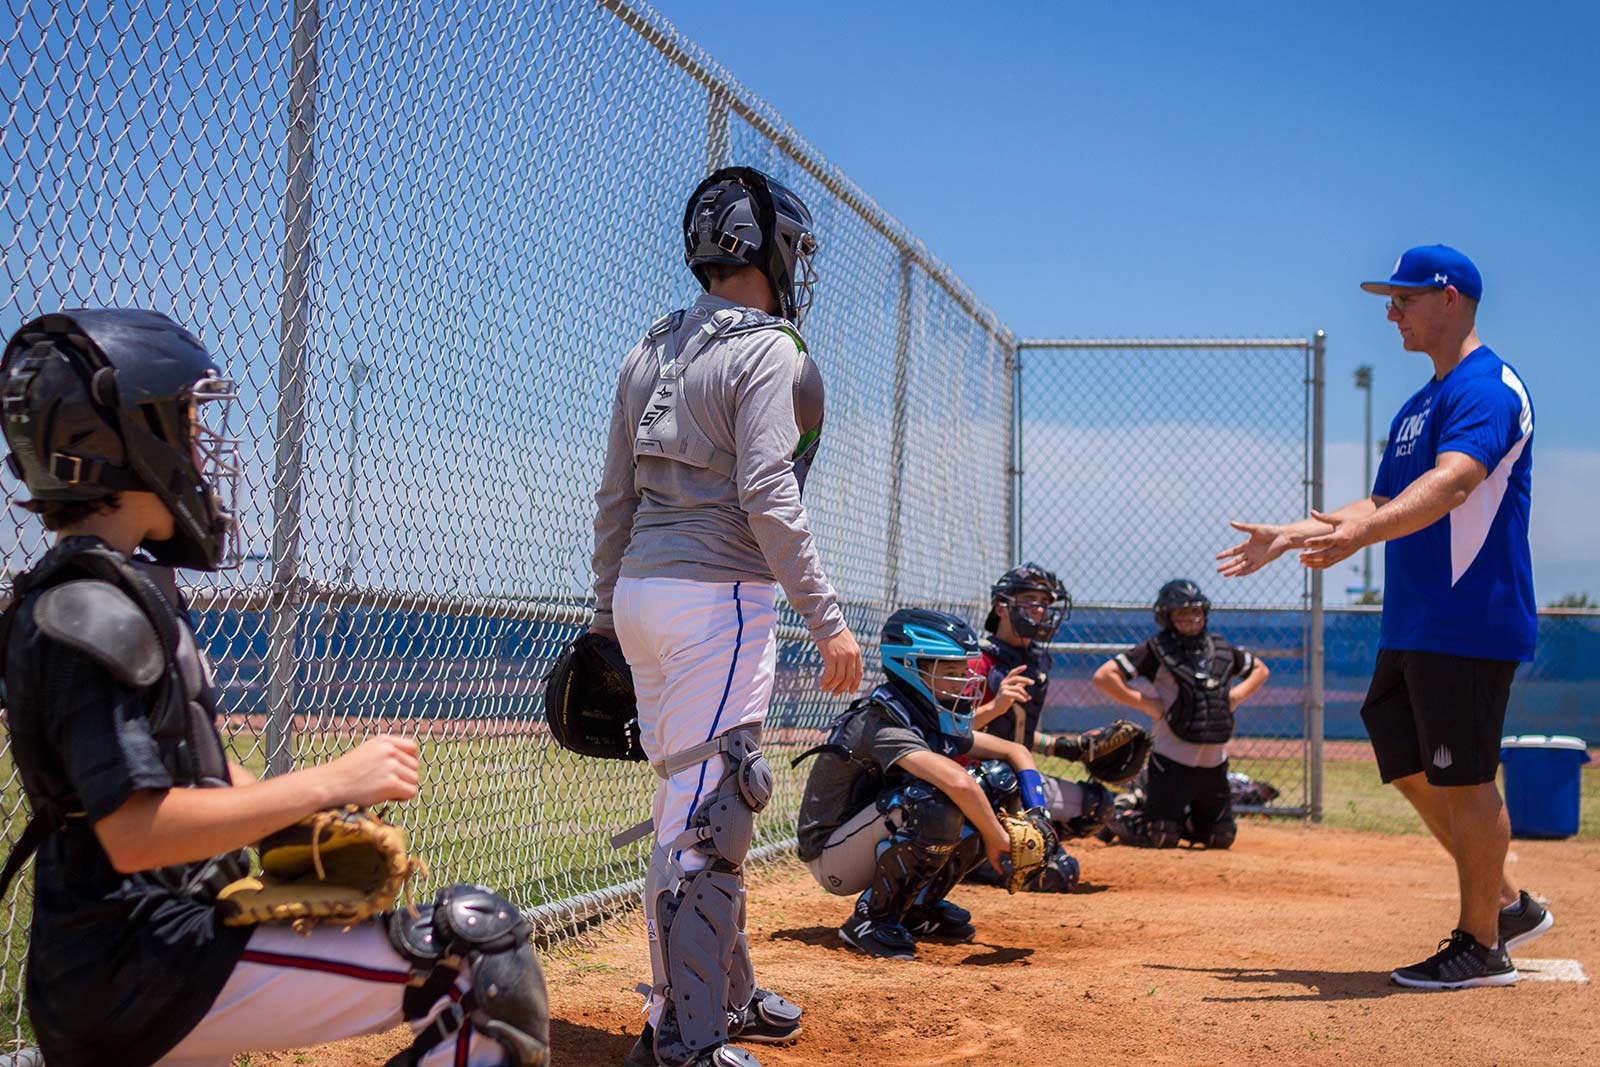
[913,639]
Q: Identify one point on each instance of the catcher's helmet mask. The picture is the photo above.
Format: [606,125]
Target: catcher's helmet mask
[96,402]
[1032,622]
[1180,593]
[740,216]
[913,643]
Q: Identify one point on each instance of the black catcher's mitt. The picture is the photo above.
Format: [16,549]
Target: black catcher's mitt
[589,702]
[1113,754]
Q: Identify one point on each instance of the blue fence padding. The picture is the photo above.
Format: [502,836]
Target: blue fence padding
[407,664]
[1558,693]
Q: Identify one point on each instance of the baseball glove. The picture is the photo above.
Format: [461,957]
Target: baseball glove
[342,865]
[589,702]
[1113,754]
[1029,847]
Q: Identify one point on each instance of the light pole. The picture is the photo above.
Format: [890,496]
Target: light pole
[358,375]
[1364,383]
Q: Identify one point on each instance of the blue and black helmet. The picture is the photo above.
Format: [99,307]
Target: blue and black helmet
[913,640]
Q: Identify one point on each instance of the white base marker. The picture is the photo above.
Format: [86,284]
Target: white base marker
[1551,970]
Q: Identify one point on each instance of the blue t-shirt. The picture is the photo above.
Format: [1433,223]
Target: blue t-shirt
[1464,585]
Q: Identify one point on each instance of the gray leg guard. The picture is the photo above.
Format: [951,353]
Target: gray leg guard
[700,956]
[471,927]
[1097,805]
[1164,833]
[1058,875]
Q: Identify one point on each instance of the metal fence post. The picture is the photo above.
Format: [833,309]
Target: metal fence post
[1014,502]
[1315,666]
[897,431]
[294,310]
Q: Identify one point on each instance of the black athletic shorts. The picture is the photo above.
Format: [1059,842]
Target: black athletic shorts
[1436,714]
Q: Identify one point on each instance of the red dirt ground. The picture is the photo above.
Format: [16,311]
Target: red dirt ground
[1276,952]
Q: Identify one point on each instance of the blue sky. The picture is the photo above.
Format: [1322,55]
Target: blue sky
[1232,168]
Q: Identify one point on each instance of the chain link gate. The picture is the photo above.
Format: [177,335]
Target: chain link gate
[424,273]
[1135,455]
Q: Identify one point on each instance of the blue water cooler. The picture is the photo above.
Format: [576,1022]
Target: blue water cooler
[1544,783]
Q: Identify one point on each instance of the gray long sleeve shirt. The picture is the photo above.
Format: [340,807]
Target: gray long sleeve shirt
[661,518]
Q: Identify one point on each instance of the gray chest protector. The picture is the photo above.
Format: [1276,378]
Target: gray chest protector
[667,426]
[1203,711]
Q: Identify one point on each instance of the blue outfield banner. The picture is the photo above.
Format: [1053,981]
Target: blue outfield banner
[1558,693]
[408,665]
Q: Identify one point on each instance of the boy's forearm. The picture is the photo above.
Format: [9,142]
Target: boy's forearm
[1251,683]
[1120,691]
[160,829]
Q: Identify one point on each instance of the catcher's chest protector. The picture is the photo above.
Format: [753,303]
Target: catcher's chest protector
[1202,713]
[1021,723]
[91,599]
[667,426]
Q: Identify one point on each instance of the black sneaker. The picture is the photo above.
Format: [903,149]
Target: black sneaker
[1460,963]
[767,1020]
[887,941]
[643,1054]
[943,920]
[1522,926]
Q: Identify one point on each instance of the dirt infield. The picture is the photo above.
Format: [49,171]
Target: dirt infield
[1275,952]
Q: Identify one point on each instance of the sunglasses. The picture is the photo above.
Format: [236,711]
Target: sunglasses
[1398,304]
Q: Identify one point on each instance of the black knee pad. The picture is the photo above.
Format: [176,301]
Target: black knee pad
[1222,834]
[1058,875]
[999,781]
[1165,833]
[930,817]
[469,926]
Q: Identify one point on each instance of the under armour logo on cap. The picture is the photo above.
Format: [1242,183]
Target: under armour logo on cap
[1431,267]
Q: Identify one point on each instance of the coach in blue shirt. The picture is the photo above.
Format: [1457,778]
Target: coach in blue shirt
[1451,504]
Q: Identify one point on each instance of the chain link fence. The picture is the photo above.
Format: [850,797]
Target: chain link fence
[1137,453]
[422,238]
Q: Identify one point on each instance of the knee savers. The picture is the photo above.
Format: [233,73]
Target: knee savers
[1164,833]
[470,927]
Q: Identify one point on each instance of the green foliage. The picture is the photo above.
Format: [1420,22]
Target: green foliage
[1575,600]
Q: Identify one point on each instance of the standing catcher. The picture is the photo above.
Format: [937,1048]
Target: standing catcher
[717,419]
[138,817]
[888,812]
[1200,680]
[1450,503]
[1026,607]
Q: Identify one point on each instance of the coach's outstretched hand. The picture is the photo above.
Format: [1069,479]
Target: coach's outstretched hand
[841,663]
[1263,544]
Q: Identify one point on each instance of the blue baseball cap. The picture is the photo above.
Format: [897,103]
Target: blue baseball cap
[1431,267]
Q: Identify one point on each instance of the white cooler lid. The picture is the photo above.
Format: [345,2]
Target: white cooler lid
[1543,741]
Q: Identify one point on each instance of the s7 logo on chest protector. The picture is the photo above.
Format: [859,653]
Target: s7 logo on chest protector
[654,412]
